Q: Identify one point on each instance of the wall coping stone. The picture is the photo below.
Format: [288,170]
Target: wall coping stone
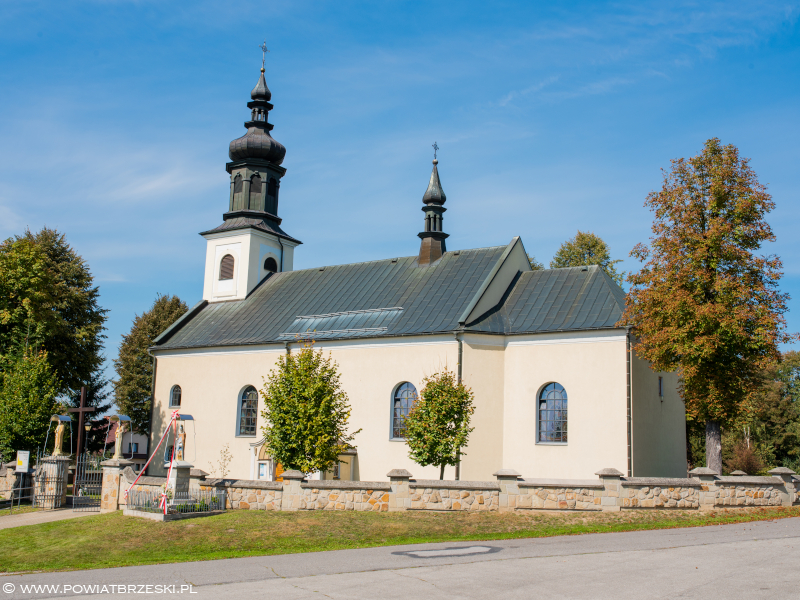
[781,471]
[561,483]
[506,473]
[662,481]
[399,474]
[245,483]
[737,472]
[114,462]
[703,471]
[293,474]
[738,479]
[339,484]
[609,472]
[454,485]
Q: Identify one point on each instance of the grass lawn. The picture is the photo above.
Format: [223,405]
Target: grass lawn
[113,540]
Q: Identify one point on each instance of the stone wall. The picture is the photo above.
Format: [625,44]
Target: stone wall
[7,478]
[510,492]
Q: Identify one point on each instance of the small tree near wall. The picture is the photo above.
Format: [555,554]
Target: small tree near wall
[306,412]
[437,427]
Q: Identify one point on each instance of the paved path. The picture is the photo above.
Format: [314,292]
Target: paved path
[753,560]
[40,516]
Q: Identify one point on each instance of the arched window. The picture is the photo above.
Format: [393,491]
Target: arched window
[553,413]
[237,184]
[271,265]
[404,397]
[226,267]
[248,411]
[175,396]
[272,187]
[255,192]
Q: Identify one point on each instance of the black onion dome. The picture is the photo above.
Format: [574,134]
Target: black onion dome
[261,91]
[257,142]
[434,194]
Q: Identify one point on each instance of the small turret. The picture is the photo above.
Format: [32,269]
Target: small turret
[433,238]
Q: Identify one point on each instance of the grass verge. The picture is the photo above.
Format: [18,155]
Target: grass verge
[113,540]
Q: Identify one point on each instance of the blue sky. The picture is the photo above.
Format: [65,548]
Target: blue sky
[115,119]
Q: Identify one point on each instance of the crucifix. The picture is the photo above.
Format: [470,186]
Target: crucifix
[263,54]
[435,149]
[83,409]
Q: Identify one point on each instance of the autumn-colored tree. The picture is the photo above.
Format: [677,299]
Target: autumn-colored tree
[134,365]
[704,303]
[586,249]
[437,426]
[535,264]
[306,412]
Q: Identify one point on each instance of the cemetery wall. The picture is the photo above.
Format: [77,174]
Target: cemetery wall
[611,491]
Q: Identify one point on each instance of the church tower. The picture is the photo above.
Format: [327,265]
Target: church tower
[433,246]
[250,245]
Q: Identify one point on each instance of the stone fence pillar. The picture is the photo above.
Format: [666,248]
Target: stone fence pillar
[179,479]
[708,486]
[112,472]
[292,496]
[509,490]
[399,497]
[786,476]
[610,501]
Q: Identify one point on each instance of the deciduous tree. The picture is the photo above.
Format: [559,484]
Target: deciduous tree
[586,249]
[306,412]
[437,426]
[134,365]
[28,389]
[704,303]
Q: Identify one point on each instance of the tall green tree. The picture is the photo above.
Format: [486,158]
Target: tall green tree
[586,249]
[28,389]
[535,264]
[134,366]
[437,426]
[306,412]
[704,303]
[48,300]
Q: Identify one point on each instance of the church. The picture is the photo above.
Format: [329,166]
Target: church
[559,391]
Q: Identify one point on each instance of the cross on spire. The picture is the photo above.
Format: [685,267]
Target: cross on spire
[264,51]
[435,149]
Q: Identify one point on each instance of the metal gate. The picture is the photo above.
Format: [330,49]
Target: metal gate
[88,483]
[49,483]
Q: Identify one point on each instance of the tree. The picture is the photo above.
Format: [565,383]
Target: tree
[134,366]
[27,401]
[704,303]
[535,264]
[437,426]
[48,300]
[586,249]
[305,412]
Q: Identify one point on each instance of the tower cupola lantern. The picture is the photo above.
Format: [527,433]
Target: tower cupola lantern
[250,244]
[433,237]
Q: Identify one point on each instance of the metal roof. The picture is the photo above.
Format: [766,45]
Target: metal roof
[396,297]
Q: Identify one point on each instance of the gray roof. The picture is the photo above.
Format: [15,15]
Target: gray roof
[396,297]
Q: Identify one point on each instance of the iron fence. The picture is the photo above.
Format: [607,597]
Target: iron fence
[19,497]
[194,501]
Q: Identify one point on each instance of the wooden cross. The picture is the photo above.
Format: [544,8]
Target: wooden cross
[83,409]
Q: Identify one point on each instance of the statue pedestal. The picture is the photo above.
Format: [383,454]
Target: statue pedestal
[110,493]
[51,482]
[179,479]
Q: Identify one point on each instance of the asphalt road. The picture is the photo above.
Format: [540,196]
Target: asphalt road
[753,560]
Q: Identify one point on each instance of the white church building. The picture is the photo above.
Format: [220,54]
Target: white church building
[559,391]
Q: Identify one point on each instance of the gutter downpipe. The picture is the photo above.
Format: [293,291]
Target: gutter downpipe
[281,243]
[152,400]
[628,353]
[460,340]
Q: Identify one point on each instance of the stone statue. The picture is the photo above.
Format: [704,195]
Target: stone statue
[58,448]
[180,442]
[118,440]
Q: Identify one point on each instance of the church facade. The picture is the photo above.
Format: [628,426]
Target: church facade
[559,390]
